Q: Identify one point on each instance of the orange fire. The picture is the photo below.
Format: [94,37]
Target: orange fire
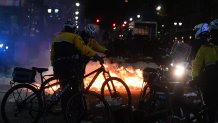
[132,77]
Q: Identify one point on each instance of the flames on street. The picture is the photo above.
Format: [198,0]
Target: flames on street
[132,77]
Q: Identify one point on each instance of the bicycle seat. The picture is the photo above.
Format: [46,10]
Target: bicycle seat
[39,70]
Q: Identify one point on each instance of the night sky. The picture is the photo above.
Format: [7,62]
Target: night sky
[116,11]
[108,11]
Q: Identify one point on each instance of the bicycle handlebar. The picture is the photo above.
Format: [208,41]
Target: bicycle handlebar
[96,59]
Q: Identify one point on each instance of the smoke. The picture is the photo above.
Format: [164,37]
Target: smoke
[42,60]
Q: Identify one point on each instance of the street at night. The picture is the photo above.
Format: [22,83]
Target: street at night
[108,61]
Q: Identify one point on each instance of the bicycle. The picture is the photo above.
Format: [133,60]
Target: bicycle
[166,103]
[31,99]
[119,99]
[185,113]
[111,87]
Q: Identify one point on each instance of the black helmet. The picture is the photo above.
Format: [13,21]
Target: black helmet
[70,24]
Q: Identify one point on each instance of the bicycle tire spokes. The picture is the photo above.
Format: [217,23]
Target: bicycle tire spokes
[116,93]
[21,104]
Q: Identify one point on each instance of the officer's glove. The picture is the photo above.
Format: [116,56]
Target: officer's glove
[98,58]
[107,53]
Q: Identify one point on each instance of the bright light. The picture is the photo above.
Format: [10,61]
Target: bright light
[175,23]
[1,45]
[130,19]
[6,47]
[49,10]
[56,10]
[123,25]
[182,37]
[125,22]
[114,28]
[76,17]
[77,27]
[120,36]
[179,70]
[162,25]
[138,16]
[76,12]
[171,64]
[114,24]
[97,20]
[77,4]
[158,8]
[180,23]
[190,37]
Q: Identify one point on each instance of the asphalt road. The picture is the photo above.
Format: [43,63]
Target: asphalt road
[120,115]
[58,118]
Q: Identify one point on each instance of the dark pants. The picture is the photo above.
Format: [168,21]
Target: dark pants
[69,72]
[209,87]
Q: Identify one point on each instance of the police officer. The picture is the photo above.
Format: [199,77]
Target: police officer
[205,69]
[68,50]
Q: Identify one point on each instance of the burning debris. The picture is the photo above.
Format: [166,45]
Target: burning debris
[128,73]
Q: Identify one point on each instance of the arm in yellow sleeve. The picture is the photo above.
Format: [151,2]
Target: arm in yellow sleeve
[96,46]
[84,49]
[198,63]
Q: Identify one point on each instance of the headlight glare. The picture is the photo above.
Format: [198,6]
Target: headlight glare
[179,70]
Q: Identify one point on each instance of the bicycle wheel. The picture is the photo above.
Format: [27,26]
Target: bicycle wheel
[21,104]
[116,92]
[87,106]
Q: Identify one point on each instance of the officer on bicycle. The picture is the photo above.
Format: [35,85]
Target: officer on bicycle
[68,50]
[88,37]
[205,69]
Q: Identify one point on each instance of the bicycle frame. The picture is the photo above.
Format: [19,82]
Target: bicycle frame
[106,75]
[97,71]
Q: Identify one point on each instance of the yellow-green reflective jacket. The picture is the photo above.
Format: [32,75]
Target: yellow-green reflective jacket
[67,44]
[206,55]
